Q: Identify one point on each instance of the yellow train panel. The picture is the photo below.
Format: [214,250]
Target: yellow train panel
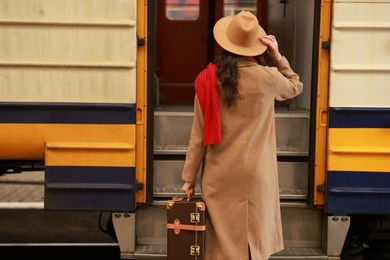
[322,105]
[359,149]
[69,144]
[141,118]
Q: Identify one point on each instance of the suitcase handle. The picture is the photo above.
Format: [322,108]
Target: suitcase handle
[189,193]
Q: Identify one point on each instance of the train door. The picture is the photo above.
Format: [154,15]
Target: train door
[185,43]
[182,44]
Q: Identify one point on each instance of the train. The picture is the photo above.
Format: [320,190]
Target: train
[99,95]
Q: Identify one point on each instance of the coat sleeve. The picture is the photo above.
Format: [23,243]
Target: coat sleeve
[287,81]
[196,150]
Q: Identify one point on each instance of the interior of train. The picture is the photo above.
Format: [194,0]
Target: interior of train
[185,43]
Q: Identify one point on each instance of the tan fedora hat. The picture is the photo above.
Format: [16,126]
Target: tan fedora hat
[240,34]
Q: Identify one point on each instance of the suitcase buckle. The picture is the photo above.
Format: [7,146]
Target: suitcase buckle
[195,250]
[195,218]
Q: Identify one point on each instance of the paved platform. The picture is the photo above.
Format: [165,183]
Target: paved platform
[22,187]
[23,221]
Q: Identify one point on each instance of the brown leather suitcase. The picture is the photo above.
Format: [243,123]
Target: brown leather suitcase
[186,226]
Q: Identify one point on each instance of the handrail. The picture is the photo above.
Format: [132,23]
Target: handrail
[157,83]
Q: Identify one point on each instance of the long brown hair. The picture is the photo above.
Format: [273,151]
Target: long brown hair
[227,74]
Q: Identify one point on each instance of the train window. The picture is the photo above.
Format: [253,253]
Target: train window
[182,10]
[233,7]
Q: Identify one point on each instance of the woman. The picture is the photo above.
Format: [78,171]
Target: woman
[233,135]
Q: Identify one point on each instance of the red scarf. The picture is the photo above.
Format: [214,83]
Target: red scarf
[207,92]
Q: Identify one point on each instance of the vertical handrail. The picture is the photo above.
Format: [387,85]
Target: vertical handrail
[157,83]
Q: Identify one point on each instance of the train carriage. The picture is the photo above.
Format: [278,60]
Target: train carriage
[98,94]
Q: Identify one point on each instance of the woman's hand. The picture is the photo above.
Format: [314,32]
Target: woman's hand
[188,186]
[272,44]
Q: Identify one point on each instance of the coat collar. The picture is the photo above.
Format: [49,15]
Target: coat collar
[247,62]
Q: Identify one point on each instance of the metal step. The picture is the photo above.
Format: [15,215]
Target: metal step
[172,132]
[173,127]
[302,253]
[295,253]
[167,181]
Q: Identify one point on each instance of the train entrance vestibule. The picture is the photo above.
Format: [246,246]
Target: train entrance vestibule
[185,43]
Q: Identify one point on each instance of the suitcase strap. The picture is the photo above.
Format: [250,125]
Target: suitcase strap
[176,226]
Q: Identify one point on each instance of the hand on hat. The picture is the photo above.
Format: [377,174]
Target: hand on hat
[272,44]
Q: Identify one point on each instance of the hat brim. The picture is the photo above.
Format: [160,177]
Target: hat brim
[221,38]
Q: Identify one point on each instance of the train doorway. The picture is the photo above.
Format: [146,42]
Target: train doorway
[185,45]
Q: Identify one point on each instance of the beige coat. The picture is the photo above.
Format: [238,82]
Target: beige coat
[239,177]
